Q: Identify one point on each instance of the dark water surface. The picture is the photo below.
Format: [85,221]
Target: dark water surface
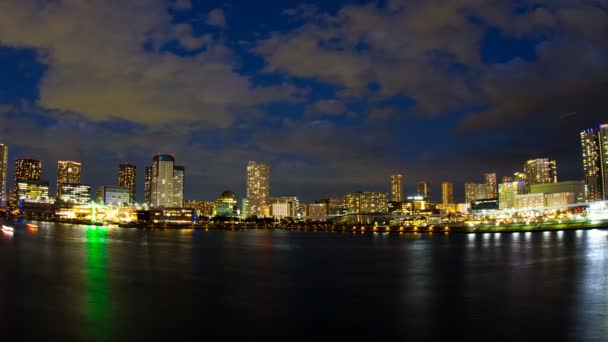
[73,282]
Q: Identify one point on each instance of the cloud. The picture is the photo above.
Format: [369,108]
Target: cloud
[216,18]
[107,59]
[327,107]
[181,5]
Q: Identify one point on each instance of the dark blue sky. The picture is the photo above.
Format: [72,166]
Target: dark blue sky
[334,95]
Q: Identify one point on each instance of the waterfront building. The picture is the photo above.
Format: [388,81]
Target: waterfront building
[148,186]
[202,208]
[27,170]
[316,211]
[75,193]
[491,187]
[396,188]
[507,192]
[485,204]
[529,201]
[447,193]
[166,182]
[424,189]
[68,172]
[258,189]
[127,178]
[366,202]
[227,204]
[113,195]
[560,199]
[32,191]
[594,145]
[3,173]
[577,188]
[474,191]
[292,205]
[540,171]
[413,205]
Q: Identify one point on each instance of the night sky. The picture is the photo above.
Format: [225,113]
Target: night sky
[334,95]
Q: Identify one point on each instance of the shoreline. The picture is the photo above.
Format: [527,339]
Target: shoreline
[504,228]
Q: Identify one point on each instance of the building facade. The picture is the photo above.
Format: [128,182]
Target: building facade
[526,201]
[474,191]
[166,182]
[227,204]
[113,195]
[32,191]
[424,189]
[507,192]
[75,193]
[290,202]
[396,188]
[366,202]
[258,189]
[540,171]
[27,170]
[447,193]
[148,186]
[594,145]
[202,208]
[316,211]
[491,186]
[68,172]
[3,173]
[127,178]
[577,188]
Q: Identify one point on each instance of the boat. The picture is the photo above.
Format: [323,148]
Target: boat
[32,227]
[7,229]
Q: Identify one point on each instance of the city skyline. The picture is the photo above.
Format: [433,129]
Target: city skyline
[221,85]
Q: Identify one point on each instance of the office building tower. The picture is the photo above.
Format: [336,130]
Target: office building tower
[491,185]
[474,191]
[27,170]
[366,202]
[113,195]
[167,182]
[179,173]
[258,189]
[396,188]
[75,193]
[127,178]
[68,172]
[507,193]
[424,190]
[148,186]
[540,171]
[447,193]
[3,168]
[594,144]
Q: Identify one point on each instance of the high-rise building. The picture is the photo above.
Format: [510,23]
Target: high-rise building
[167,182]
[258,189]
[474,191]
[179,173]
[491,185]
[507,192]
[594,144]
[396,188]
[447,193]
[148,186]
[540,171]
[366,202]
[113,195]
[68,172]
[75,193]
[424,189]
[127,178]
[3,168]
[27,170]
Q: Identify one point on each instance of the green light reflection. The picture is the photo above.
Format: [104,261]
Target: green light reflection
[98,303]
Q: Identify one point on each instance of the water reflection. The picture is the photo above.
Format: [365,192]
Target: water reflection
[97,292]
